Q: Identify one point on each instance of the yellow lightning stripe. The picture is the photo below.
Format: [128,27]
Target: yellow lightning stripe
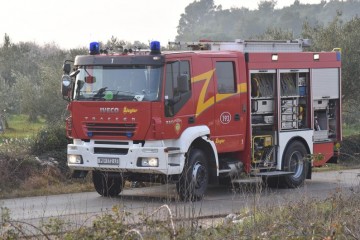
[241,88]
[202,105]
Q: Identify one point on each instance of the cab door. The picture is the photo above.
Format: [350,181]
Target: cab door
[229,125]
[178,104]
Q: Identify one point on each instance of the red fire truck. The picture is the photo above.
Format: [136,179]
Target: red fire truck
[212,112]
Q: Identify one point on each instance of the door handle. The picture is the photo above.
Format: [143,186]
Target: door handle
[237,117]
[191,120]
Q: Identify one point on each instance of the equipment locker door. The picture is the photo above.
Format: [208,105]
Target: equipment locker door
[229,122]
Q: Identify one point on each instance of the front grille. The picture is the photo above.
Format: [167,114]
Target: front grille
[111,143]
[117,151]
[110,129]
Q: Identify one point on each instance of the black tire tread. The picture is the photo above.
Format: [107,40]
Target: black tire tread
[105,185]
[185,191]
[289,180]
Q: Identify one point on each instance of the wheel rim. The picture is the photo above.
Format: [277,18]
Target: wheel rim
[296,164]
[198,175]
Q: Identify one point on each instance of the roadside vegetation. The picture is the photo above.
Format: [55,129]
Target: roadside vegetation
[33,160]
[336,217]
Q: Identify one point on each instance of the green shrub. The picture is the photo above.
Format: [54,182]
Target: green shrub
[350,150]
[50,138]
[51,143]
[16,164]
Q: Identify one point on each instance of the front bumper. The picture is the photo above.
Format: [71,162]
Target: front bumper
[125,156]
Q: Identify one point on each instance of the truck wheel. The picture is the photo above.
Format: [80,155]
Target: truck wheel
[105,185]
[294,161]
[194,178]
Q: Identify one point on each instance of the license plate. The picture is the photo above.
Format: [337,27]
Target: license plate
[108,161]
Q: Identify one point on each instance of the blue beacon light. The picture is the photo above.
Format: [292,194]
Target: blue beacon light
[338,56]
[94,48]
[155,47]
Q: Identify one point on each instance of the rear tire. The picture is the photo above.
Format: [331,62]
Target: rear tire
[107,186]
[295,161]
[194,179]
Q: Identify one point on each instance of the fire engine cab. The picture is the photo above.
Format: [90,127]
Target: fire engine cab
[202,113]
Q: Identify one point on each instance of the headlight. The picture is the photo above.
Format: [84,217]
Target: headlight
[74,159]
[148,162]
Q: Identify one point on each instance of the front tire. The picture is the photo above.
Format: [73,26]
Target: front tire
[295,161]
[194,179]
[107,186]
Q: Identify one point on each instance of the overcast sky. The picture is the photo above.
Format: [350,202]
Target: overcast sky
[75,23]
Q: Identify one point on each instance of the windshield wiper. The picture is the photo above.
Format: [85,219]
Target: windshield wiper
[100,92]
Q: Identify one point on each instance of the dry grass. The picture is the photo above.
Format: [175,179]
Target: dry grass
[336,217]
[40,187]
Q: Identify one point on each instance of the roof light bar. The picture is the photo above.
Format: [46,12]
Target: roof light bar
[155,47]
[94,48]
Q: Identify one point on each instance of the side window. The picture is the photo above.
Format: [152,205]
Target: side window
[177,86]
[225,73]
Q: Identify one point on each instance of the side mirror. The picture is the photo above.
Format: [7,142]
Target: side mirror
[66,68]
[65,85]
[183,83]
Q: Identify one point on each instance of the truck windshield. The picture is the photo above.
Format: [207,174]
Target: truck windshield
[118,83]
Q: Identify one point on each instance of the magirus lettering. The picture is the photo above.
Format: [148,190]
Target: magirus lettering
[109,110]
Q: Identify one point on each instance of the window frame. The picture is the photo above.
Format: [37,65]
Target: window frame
[176,96]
